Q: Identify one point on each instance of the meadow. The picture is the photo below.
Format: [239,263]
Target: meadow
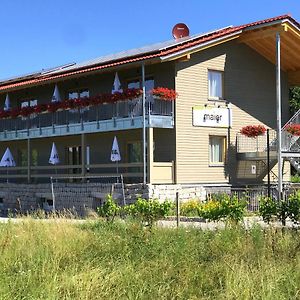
[60,259]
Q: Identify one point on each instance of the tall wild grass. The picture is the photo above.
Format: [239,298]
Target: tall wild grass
[63,260]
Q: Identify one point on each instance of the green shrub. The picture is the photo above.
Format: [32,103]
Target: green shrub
[109,210]
[223,207]
[190,208]
[294,207]
[267,208]
[149,211]
[295,178]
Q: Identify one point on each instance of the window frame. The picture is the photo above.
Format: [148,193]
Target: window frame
[76,90]
[212,98]
[223,150]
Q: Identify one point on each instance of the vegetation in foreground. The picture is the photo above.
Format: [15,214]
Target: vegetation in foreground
[103,260]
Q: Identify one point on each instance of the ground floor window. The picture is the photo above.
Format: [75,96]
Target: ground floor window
[134,152]
[217,149]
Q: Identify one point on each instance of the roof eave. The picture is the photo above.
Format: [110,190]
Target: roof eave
[201,46]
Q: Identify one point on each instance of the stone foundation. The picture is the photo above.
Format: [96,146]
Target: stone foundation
[81,197]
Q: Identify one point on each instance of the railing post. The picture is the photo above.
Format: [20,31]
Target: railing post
[177,209]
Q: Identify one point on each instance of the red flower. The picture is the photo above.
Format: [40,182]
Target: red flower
[54,106]
[4,114]
[293,129]
[253,130]
[15,112]
[165,93]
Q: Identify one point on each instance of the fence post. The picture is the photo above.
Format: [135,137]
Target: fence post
[177,209]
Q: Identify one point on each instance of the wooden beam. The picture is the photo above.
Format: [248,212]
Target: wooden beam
[288,28]
[260,34]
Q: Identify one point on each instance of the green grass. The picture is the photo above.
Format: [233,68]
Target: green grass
[60,260]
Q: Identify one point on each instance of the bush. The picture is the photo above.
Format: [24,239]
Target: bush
[190,208]
[109,210]
[295,178]
[294,207]
[149,211]
[267,209]
[223,207]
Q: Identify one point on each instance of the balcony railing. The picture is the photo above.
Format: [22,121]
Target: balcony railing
[246,144]
[122,109]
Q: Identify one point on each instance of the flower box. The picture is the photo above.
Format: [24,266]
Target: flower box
[253,131]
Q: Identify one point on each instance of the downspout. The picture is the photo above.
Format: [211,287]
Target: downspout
[144,125]
[278,102]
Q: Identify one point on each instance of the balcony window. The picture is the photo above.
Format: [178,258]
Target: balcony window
[137,84]
[76,94]
[215,85]
[81,93]
[27,103]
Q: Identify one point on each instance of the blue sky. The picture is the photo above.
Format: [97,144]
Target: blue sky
[37,34]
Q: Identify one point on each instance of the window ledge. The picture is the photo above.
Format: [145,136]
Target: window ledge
[221,164]
[216,99]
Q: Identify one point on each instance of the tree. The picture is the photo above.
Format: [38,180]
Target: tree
[294,99]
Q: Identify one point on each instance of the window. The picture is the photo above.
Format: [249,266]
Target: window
[26,103]
[81,93]
[217,150]
[137,84]
[215,85]
[76,94]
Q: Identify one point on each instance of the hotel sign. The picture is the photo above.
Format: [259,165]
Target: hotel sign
[212,117]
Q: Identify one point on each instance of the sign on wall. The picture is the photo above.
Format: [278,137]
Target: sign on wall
[212,117]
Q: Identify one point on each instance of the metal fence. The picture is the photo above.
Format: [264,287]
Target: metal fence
[252,195]
[106,111]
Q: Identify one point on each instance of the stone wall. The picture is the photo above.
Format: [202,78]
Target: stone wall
[81,197]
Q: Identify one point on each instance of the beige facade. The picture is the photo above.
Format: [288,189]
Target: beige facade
[249,86]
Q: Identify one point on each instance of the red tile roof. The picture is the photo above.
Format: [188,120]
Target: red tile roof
[145,56]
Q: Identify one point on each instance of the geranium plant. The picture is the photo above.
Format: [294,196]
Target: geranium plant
[127,94]
[293,129]
[164,93]
[253,130]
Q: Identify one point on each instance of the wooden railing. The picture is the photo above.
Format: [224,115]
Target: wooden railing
[128,170]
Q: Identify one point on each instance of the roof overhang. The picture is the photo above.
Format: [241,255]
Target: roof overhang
[263,40]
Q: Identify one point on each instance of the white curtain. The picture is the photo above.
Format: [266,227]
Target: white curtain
[216,150]
[215,84]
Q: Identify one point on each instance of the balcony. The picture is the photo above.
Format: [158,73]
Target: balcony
[255,148]
[119,115]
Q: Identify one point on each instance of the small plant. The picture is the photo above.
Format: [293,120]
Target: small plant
[164,93]
[295,178]
[149,211]
[223,207]
[190,208]
[267,209]
[294,207]
[253,131]
[293,129]
[109,210]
